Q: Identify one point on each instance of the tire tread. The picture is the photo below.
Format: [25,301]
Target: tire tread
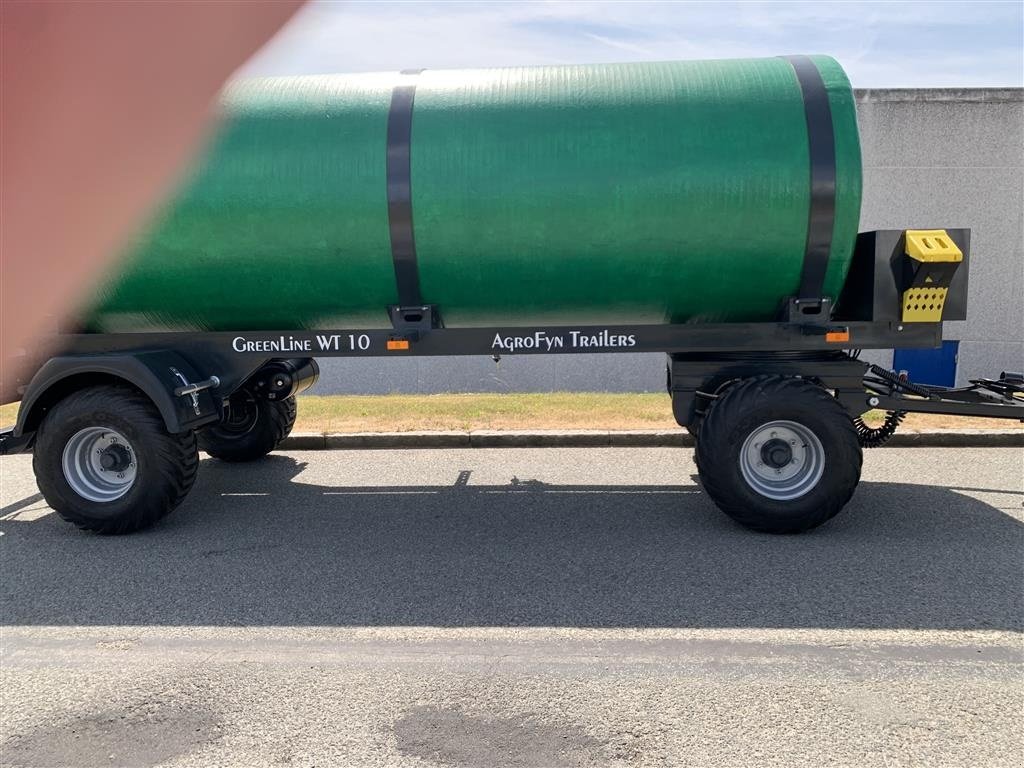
[275,423]
[718,434]
[174,456]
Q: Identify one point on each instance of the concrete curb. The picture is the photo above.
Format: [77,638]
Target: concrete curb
[965,438]
[587,438]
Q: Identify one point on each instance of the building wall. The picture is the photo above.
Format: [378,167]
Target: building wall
[932,158]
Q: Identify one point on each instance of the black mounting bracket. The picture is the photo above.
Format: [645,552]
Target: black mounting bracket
[809,311]
[421,318]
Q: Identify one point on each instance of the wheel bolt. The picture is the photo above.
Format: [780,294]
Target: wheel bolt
[778,471]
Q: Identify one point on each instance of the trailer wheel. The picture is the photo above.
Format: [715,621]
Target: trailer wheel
[104,460]
[778,454]
[252,428]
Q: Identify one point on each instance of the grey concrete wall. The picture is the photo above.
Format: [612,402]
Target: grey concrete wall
[932,158]
[938,158]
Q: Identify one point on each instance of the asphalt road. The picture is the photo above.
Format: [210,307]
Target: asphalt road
[522,607]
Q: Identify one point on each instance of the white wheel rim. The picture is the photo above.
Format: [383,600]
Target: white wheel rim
[782,460]
[99,464]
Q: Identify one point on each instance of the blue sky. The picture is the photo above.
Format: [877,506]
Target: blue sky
[881,44]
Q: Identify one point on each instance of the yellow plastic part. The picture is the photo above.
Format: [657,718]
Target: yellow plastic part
[932,245]
[923,304]
[923,301]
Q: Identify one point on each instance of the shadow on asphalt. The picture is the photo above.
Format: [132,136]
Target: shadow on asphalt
[249,547]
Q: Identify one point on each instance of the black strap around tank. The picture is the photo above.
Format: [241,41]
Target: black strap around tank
[822,151]
[399,189]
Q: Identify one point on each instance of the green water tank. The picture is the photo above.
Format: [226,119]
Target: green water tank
[621,193]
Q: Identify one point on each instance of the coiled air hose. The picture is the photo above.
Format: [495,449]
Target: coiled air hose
[875,437]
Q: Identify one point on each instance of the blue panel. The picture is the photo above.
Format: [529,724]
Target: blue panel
[929,366]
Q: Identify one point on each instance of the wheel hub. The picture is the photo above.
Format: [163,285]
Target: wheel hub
[782,460]
[242,416]
[115,458]
[99,464]
[776,453]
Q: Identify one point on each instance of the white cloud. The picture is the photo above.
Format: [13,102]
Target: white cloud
[880,44]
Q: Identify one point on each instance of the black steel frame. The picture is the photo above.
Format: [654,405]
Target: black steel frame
[699,354]
[504,340]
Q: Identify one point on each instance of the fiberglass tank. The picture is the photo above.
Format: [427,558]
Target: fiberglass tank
[630,193]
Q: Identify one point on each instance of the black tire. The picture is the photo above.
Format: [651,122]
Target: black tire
[254,427]
[165,464]
[751,405]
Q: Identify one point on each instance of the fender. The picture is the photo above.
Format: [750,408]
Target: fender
[157,373]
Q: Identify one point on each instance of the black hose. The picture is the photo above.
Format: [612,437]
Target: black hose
[875,437]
